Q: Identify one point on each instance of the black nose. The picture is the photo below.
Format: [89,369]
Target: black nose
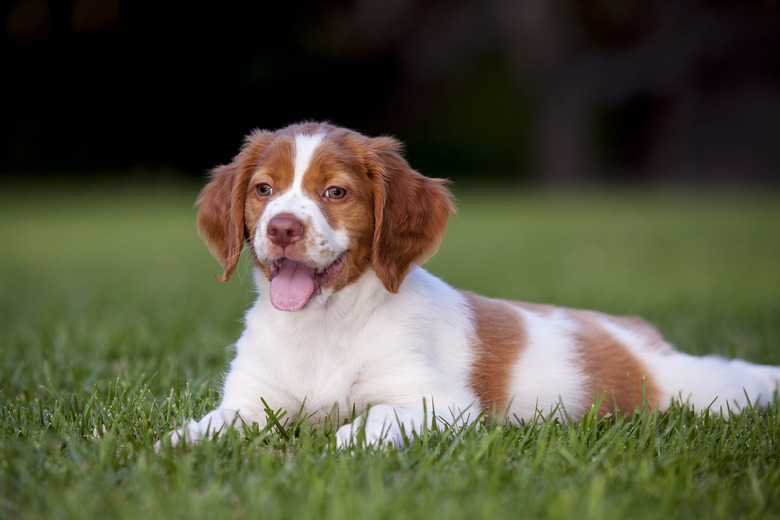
[284,230]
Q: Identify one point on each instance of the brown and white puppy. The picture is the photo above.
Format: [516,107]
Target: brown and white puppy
[345,320]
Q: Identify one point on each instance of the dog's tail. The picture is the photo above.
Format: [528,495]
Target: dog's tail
[715,383]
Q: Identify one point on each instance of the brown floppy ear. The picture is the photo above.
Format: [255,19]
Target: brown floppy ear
[221,217]
[221,203]
[410,214]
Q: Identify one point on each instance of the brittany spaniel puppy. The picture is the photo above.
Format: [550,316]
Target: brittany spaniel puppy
[346,323]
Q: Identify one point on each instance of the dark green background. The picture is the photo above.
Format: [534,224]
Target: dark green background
[556,91]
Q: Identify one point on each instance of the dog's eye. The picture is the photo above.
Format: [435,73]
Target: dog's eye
[264,190]
[335,193]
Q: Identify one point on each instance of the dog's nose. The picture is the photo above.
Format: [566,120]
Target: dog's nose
[284,230]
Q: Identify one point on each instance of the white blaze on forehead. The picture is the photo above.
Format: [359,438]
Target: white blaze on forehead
[292,199]
[324,243]
[305,145]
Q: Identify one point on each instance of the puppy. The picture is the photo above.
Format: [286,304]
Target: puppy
[346,322]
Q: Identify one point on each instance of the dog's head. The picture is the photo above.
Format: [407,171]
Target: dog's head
[318,206]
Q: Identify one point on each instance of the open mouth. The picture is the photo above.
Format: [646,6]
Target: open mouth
[293,283]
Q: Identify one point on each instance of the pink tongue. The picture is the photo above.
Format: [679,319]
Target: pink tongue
[292,287]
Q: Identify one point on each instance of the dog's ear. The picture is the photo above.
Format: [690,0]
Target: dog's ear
[221,218]
[410,213]
[221,203]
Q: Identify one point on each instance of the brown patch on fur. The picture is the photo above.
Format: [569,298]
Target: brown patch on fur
[611,368]
[500,337]
[410,213]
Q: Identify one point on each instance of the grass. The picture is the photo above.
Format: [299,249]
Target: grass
[112,331]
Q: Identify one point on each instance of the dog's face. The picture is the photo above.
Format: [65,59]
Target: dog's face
[318,206]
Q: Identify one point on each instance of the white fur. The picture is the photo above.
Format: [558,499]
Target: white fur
[551,384]
[305,146]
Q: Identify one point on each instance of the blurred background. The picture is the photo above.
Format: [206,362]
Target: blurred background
[554,92]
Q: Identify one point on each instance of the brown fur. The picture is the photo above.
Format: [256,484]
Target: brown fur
[339,162]
[410,213]
[221,203]
[653,338]
[500,336]
[538,308]
[611,369]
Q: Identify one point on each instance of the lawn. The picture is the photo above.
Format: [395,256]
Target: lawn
[113,330]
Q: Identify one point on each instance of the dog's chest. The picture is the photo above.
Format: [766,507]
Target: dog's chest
[323,381]
[317,367]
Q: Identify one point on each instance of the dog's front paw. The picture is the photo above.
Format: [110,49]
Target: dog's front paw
[361,433]
[190,434]
[376,431]
[213,423]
